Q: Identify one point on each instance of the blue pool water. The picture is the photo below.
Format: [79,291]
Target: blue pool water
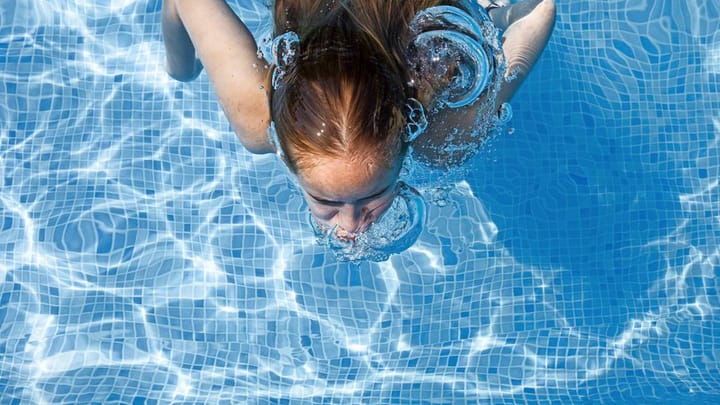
[147,258]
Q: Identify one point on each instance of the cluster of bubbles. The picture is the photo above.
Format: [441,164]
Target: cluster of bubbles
[284,51]
[395,231]
[416,120]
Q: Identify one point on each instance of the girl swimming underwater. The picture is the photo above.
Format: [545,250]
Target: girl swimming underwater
[355,83]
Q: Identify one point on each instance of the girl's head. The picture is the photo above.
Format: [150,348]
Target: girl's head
[337,102]
[339,110]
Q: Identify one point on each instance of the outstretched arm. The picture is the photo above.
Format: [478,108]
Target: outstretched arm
[208,30]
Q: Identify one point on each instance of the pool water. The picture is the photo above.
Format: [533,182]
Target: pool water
[147,258]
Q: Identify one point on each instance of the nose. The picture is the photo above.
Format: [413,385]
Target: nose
[352,218]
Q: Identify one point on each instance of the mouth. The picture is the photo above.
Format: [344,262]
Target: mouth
[340,233]
[346,236]
[335,231]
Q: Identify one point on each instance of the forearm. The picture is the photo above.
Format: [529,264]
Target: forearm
[181,62]
[528,25]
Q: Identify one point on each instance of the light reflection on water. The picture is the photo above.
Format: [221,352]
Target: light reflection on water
[146,255]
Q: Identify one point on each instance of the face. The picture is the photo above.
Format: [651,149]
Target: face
[349,193]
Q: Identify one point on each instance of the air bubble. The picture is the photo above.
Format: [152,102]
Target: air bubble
[416,120]
[284,49]
[505,113]
[450,42]
[512,74]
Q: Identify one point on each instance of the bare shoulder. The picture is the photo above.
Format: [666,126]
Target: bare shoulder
[453,135]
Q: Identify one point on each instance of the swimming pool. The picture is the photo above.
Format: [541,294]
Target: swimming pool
[147,258]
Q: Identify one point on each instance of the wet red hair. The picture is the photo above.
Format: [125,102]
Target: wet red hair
[345,95]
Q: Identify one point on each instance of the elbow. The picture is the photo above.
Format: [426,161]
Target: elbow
[251,128]
[256,144]
[257,149]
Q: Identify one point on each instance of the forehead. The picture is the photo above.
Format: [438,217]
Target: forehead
[347,179]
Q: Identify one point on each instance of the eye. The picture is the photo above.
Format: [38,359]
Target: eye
[378,195]
[326,202]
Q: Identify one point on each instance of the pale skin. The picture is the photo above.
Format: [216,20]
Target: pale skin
[354,200]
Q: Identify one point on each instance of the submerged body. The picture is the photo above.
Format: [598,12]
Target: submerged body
[347,187]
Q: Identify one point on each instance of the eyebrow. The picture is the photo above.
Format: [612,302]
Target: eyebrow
[361,199]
